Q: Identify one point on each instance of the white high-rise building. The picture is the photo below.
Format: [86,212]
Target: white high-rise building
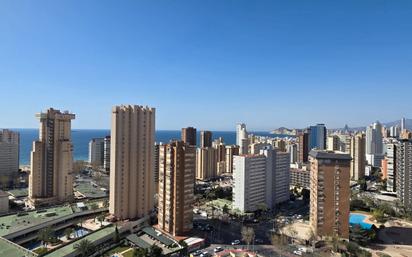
[261,179]
[249,182]
[9,157]
[242,139]
[394,131]
[293,151]
[374,145]
[403,124]
[96,151]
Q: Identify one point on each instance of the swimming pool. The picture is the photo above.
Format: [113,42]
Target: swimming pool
[358,219]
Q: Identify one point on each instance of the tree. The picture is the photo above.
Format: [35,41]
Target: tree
[248,234]
[68,232]
[280,241]
[225,209]
[140,252]
[184,251]
[84,247]
[116,237]
[379,215]
[155,251]
[94,206]
[45,236]
[79,166]
[101,218]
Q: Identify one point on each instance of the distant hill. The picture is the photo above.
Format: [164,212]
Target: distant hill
[387,124]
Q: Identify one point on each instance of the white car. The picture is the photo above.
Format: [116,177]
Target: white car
[236,242]
[218,249]
[297,253]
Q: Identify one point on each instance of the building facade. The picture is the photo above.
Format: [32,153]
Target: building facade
[329,193]
[9,157]
[206,163]
[177,167]
[51,178]
[242,138]
[317,137]
[357,152]
[249,182]
[231,150]
[96,151]
[404,172]
[205,139]
[303,147]
[189,136]
[106,159]
[132,185]
[374,144]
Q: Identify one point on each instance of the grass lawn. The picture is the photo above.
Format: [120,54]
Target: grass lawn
[118,249]
[128,253]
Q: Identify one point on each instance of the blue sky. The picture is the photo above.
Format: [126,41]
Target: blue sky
[207,63]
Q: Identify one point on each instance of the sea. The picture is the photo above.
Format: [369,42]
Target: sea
[81,138]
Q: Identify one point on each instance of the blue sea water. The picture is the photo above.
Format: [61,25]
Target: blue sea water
[81,138]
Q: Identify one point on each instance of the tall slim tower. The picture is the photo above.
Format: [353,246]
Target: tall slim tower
[189,135]
[329,193]
[404,172]
[403,124]
[317,137]
[303,147]
[132,161]
[374,144]
[9,157]
[177,167]
[242,139]
[358,162]
[205,139]
[50,179]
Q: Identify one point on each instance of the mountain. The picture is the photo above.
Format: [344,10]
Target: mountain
[386,124]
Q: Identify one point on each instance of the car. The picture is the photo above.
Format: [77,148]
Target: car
[197,253]
[299,253]
[258,241]
[218,249]
[205,254]
[236,242]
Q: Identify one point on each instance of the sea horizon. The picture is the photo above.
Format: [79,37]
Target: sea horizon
[81,138]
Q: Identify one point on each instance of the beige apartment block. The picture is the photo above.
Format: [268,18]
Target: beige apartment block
[132,185]
[51,178]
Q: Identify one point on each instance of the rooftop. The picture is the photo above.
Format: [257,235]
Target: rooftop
[92,237]
[16,222]
[10,249]
[335,155]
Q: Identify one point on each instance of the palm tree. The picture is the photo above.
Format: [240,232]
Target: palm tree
[45,236]
[101,218]
[85,247]
[248,234]
[68,232]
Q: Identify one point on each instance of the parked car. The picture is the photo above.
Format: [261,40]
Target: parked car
[299,253]
[236,242]
[218,249]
